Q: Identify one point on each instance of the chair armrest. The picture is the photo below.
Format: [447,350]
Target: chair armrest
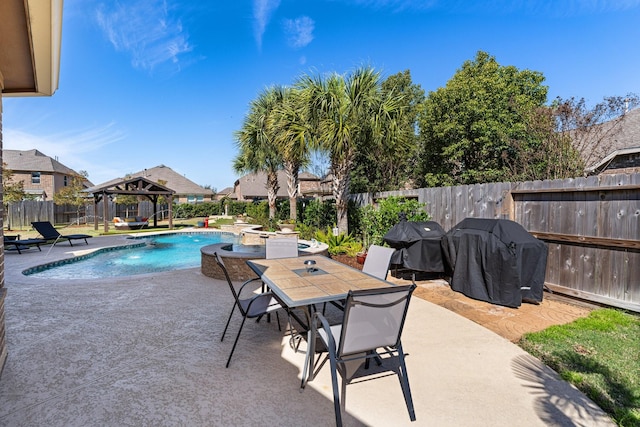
[246,283]
[331,344]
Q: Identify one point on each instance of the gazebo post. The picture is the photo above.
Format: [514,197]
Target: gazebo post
[105,211]
[171,212]
[95,212]
[155,211]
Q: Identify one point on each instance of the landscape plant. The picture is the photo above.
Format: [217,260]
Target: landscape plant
[375,222]
[319,214]
[341,243]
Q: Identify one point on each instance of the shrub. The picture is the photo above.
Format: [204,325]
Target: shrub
[340,244]
[376,222]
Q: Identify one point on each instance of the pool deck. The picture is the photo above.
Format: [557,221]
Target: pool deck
[146,350]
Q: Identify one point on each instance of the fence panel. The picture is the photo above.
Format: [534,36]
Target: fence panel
[591,226]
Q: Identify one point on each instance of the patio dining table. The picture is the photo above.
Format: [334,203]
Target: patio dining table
[298,284]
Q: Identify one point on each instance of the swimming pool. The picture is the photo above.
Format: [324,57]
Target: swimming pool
[147,254]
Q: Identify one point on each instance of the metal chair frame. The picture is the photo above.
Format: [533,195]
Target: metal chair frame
[368,326]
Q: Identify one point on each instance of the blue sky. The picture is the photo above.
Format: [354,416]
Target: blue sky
[150,82]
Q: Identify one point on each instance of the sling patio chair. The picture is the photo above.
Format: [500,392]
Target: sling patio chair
[376,264]
[378,261]
[281,247]
[253,307]
[371,328]
[48,232]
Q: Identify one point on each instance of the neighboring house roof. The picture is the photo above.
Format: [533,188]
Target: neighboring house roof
[615,136]
[171,179]
[226,192]
[253,185]
[33,161]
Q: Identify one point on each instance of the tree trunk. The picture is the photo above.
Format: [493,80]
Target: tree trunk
[341,193]
[292,188]
[272,192]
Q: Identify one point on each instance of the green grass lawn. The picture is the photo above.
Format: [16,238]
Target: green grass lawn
[600,355]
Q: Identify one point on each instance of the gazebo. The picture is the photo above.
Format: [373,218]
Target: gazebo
[138,186]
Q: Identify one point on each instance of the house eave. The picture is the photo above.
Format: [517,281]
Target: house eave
[30,44]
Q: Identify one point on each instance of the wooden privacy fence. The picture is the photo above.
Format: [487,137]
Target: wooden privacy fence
[20,215]
[591,226]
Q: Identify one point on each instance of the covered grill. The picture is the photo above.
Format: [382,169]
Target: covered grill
[495,260]
[417,245]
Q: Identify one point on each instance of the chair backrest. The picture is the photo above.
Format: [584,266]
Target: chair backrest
[220,263]
[46,229]
[377,261]
[374,318]
[281,247]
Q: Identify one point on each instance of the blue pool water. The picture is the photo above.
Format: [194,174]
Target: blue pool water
[143,255]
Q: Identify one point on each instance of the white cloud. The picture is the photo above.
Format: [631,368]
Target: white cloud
[299,31]
[262,11]
[146,30]
[77,149]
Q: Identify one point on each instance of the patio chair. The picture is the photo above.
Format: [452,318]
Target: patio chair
[281,247]
[376,264]
[48,232]
[14,242]
[371,328]
[378,261]
[253,307]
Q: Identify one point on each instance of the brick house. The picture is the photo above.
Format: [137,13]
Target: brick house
[41,175]
[253,186]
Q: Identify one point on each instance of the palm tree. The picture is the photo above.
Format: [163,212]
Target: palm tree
[292,134]
[255,141]
[345,114]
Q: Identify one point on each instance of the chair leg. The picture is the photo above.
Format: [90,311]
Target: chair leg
[336,396]
[228,321]
[404,383]
[236,341]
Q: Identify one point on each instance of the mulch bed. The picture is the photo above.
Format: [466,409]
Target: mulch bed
[348,260]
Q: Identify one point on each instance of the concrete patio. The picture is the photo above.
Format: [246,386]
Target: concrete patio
[146,350]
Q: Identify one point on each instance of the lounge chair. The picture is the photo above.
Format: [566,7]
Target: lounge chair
[14,242]
[48,232]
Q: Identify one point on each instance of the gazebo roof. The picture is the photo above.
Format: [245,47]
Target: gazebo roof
[138,186]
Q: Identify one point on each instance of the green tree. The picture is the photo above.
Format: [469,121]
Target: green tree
[255,142]
[127,200]
[292,134]
[11,191]
[73,193]
[392,165]
[348,113]
[468,127]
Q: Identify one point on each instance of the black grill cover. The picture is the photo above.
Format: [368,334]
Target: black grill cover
[417,245]
[495,260]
